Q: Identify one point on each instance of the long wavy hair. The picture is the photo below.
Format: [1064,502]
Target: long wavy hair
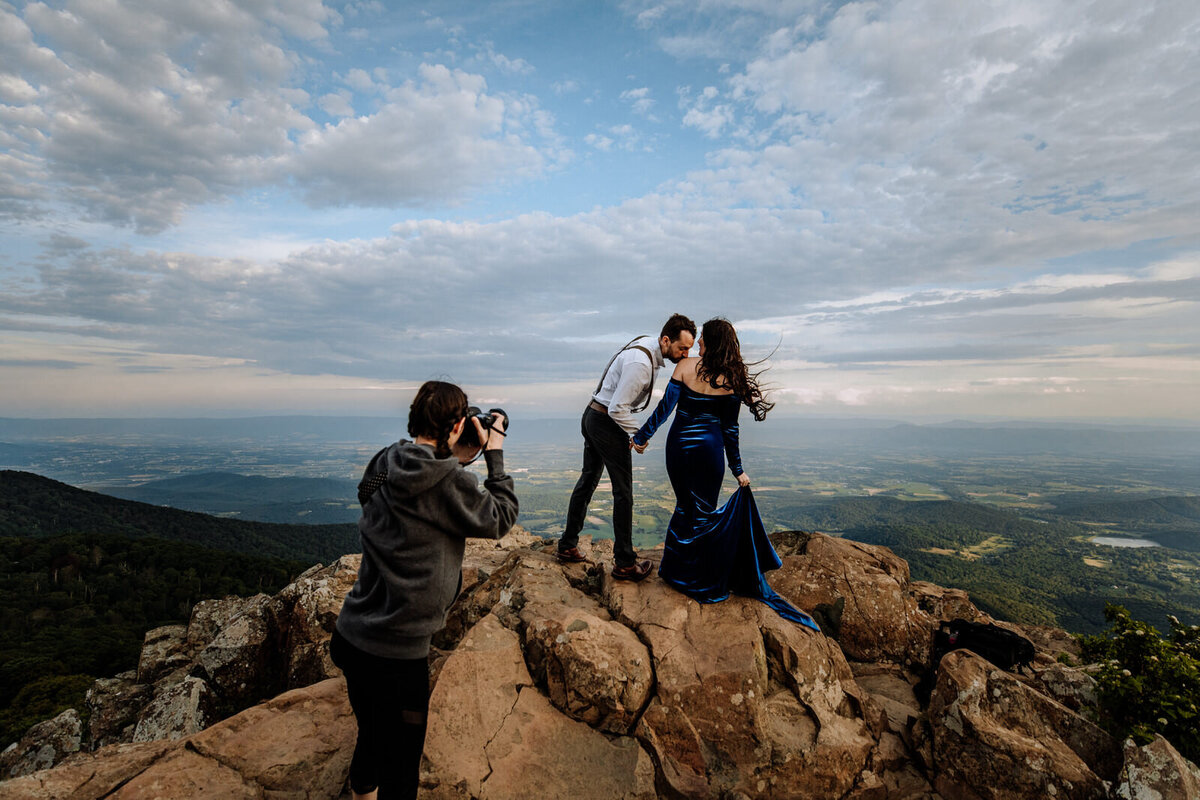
[722,367]
[435,411]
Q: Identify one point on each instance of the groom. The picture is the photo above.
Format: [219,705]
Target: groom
[607,425]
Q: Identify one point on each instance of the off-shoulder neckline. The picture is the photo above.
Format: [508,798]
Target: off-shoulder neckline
[700,394]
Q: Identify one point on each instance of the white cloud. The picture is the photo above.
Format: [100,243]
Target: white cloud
[711,122]
[925,204]
[649,16]
[146,113]
[1004,116]
[360,81]
[14,89]
[510,66]
[337,105]
[597,141]
[639,100]
[134,116]
[430,141]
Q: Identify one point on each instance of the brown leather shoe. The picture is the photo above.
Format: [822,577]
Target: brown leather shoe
[571,555]
[634,572]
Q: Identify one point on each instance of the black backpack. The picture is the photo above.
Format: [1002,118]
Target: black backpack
[998,645]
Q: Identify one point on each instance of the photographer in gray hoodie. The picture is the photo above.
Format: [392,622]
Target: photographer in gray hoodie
[419,507]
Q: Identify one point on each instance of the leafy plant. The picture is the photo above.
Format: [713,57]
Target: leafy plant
[1147,684]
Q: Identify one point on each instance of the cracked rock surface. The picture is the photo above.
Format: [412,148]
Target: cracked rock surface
[292,746]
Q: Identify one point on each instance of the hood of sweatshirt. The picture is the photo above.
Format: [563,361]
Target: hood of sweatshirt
[412,468]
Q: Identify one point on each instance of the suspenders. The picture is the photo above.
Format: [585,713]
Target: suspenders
[643,400]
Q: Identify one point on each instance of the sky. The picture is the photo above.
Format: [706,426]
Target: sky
[916,209]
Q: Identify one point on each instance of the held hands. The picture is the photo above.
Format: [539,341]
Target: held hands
[743,479]
[640,448]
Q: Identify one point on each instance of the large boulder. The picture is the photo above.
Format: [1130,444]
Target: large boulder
[746,702]
[87,776]
[892,689]
[882,619]
[305,613]
[164,650]
[43,745]
[492,734]
[242,661]
[592,668]
[941,603]
[208,617]
[114,705]
[297,745]
[476,690]
[998,739]
[177,710]
[1157,771]
[1071,686]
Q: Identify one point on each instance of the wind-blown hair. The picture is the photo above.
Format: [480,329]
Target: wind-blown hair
[722,367]
[435,411]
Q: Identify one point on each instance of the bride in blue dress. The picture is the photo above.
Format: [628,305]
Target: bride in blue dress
[711,552]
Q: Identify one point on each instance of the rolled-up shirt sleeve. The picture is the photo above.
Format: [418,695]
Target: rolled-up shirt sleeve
[636,374]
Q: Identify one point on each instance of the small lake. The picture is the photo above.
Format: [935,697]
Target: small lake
[1121,541]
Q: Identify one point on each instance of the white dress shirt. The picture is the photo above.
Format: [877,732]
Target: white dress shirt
[630,375]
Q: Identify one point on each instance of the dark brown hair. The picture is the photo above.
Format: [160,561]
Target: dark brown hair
[722,367]
[435,411]
[676,325]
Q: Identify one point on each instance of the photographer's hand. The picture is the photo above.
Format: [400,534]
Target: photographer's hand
[494,437]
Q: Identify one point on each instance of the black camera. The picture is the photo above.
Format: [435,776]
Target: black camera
[469,436]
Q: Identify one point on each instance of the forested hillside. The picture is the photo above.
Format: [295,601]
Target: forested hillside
[83,576]
[33,506]
[310,501]
[1161,510]
[75,607]
[1041,571]
[1170,521]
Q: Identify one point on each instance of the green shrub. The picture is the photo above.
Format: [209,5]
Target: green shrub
[1147,684]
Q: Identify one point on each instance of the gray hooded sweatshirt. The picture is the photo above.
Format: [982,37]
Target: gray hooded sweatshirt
[413,532]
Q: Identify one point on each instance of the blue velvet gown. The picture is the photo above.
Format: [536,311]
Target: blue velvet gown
[711,552]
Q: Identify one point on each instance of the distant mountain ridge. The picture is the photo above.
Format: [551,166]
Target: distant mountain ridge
[851,513]
[1161,510]
[38,507]
[999,437]
[309,501]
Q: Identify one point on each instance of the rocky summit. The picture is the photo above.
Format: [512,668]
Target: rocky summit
[553,681]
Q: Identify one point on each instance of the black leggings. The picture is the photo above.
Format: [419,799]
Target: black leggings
[390,698]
